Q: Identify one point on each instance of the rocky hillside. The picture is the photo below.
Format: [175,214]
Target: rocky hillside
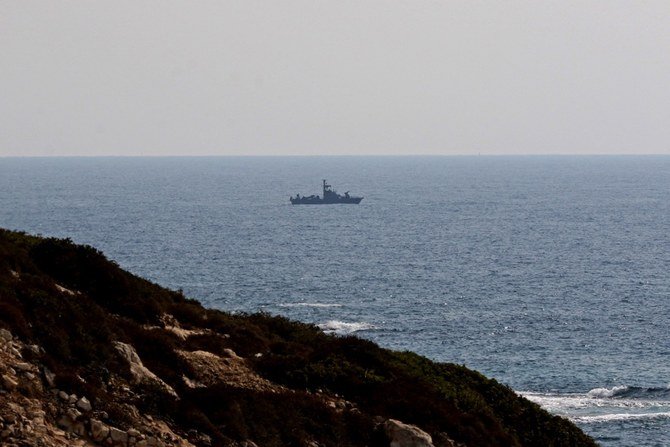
[93,355]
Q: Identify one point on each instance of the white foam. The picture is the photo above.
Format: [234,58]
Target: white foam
[575,401]
[342,327]
[601,393]
[560,403]
[304,304]
[598,406]
[614,417]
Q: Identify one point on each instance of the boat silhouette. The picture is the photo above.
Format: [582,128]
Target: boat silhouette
[329,197]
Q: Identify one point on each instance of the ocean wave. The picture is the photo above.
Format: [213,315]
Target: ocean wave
[618,417]
[604,393]
[630,392]
[570,403]
[343,328]
[618,396]
[602,405]
[557,402]
[304,304]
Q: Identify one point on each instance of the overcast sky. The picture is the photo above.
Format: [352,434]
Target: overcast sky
[229,77]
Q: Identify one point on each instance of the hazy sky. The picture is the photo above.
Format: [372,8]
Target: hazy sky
[165,77]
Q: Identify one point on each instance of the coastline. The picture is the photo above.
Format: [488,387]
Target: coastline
[138,352]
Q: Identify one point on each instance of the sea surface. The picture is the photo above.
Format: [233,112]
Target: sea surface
[550,274]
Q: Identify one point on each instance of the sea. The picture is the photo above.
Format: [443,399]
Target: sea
[547,273]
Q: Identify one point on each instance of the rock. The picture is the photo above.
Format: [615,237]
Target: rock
[36,413]
[84,405]
[9,383]
[49,377]
[118,437]
[405,435]
[192,383]
[73,413]
[79,428]
[99,431]
[230,353]
[34,349]
[137,369]
[5,335]
[65,290]
[64,396]
[133,432]
[32,388]
[139,372]
[23,366]
[72,399]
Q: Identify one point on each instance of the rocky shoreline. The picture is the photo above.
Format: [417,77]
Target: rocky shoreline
[30,402]
[34,412]
[91,355]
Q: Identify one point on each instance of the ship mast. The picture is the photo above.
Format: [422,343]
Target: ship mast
[325,187]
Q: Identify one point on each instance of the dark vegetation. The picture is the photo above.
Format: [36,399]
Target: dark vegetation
[77,333]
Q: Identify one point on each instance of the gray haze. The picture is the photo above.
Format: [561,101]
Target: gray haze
[333,77]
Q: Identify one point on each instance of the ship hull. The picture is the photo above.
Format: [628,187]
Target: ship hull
[315,201]
[330,197]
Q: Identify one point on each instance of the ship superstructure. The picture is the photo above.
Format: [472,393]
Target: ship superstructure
[329,196]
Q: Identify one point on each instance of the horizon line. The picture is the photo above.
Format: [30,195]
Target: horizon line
[567,154]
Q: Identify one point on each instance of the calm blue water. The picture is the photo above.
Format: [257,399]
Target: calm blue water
[547,273]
